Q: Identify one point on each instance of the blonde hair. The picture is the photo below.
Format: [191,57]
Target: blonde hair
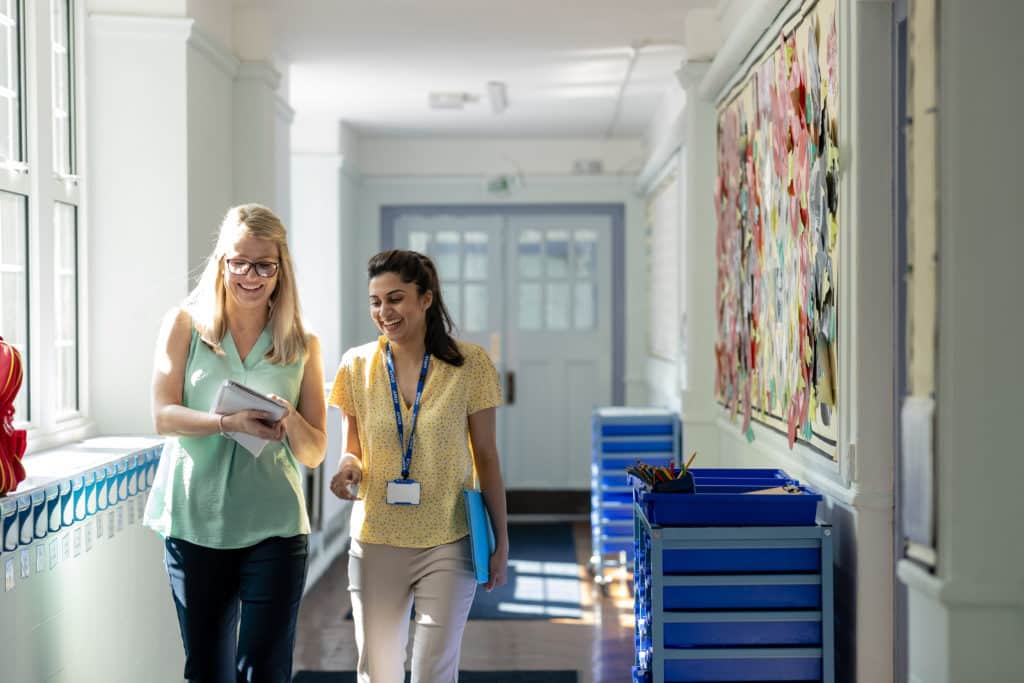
[206,302]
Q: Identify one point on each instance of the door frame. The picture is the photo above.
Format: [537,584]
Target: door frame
[389,214]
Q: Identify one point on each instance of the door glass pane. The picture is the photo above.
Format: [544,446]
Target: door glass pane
[14,286]
[453,302]
[66,309]
[475,308]
[419,241]
[475,248]
[584,306]
[530,243]
[61,86]
[557,252]
[11,28]
[446,255]
[529,306]
[557,308]
[585,251]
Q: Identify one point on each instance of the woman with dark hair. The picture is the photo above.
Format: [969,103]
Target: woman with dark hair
[419,409]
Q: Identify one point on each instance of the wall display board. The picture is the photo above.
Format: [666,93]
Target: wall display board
[777,205]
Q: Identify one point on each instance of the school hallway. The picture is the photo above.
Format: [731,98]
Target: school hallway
[784,233]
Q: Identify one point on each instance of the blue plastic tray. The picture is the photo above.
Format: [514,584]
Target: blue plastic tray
[729,509]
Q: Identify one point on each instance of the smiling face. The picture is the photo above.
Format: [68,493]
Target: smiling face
[397,308]
[250,290]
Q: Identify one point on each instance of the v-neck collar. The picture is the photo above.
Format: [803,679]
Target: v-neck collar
[255,354]
[406,409]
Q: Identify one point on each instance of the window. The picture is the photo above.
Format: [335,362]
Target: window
[40,208]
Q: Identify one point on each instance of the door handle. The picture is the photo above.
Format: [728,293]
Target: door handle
[510,387]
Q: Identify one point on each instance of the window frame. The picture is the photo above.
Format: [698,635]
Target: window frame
[44,186]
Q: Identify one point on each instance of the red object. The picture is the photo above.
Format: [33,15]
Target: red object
[12,441]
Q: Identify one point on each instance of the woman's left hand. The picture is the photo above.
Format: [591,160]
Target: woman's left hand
[281,426]
[498,569]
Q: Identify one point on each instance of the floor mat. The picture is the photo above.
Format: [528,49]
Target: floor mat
[464,677]
[543,577]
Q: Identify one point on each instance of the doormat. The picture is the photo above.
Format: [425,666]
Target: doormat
[543,577]
[464,677]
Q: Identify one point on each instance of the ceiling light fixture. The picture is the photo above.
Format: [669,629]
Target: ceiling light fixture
[450,100]
[498,96]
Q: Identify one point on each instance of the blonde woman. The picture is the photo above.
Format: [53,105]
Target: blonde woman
[235,525]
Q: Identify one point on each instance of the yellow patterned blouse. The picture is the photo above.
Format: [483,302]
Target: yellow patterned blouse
[442,459]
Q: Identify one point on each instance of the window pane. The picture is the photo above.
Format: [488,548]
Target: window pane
[62,86]
[66,308]
[529,306]
[453,302]
[10,82]
[14,287]
[530,243]
[585,248]
[446,255]
[419,241]
[557,252]
[557,308]
[476,255]
[475,319]
[584,306]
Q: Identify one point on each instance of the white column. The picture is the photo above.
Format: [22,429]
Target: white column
[260,138]
[138,205]
[700,412]
[967,619]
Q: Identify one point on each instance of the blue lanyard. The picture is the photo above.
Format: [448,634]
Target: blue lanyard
[407,454]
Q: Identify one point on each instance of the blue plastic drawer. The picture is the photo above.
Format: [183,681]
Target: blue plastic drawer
[730,593]
[742,629]
[637,446]
[616,494]
[750,560]
[616,544]
[745,665]
[617,512]
[653,429]
[730,509]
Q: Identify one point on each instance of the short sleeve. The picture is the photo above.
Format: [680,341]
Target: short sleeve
[484,385]
[341,391]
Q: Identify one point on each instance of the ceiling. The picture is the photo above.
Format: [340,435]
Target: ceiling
[373,63]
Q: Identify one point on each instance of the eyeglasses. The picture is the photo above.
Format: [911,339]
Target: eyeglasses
[238,266]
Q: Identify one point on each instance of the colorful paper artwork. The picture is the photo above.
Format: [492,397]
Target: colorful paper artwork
[777,204]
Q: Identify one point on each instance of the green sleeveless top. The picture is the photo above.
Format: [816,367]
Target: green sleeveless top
[209,490]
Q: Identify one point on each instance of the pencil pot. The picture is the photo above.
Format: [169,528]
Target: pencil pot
[681,484]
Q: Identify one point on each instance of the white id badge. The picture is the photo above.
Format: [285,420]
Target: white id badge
[403,492]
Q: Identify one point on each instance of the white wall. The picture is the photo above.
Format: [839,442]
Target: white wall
[967,621]
[210,72]
[858,490]
[137,90]
[402,178]
[103,615]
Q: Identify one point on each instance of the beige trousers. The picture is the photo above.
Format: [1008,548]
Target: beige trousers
[383,581]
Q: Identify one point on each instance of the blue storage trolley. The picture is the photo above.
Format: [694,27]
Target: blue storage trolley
[733,601]
[620,436]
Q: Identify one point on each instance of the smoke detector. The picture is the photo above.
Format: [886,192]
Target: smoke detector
[451,100]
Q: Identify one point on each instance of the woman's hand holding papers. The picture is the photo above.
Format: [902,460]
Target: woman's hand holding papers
[255,422]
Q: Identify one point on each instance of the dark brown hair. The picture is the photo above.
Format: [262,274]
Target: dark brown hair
[414,267]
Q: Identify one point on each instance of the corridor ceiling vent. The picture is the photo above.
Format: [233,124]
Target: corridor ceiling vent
[451,100]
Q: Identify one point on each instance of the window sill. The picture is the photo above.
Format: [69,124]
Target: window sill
[68,484]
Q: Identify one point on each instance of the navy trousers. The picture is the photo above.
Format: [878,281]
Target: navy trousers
[238,608]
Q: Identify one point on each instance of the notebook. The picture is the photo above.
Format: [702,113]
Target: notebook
[234,396]
[481,534]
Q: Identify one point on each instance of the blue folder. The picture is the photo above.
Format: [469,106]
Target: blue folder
[481,534]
